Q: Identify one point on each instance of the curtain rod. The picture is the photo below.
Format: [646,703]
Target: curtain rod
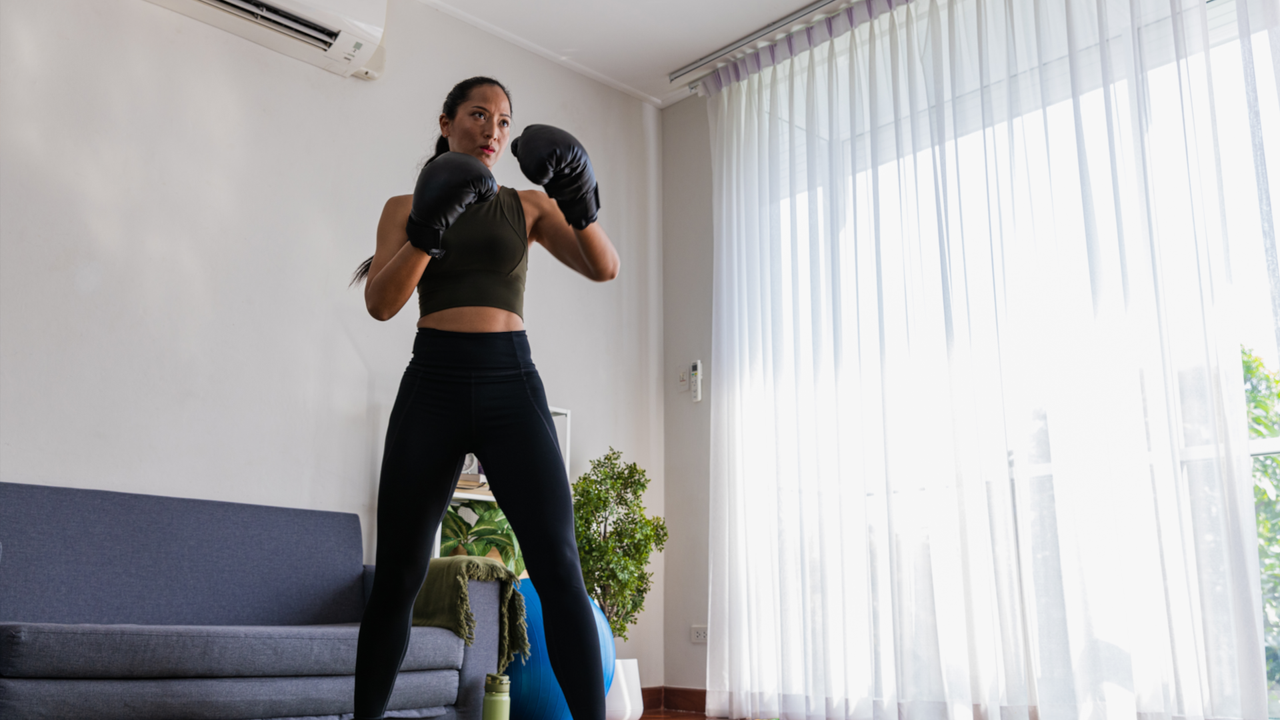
[748,39]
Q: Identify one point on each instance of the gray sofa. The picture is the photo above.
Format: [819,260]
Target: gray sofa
[114,605]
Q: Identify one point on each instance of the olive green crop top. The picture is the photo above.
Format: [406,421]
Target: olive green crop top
[486,257]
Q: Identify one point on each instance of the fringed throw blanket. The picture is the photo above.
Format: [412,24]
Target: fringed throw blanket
[443,602]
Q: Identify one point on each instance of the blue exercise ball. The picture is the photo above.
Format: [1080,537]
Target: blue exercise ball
[535,694]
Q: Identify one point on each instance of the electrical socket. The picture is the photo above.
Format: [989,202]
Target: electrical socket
[698,634]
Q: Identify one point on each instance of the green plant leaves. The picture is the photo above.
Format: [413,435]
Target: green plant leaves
[488,526]
[454,526]
[515,559]
[489,531]
[615,538]
[1262,396]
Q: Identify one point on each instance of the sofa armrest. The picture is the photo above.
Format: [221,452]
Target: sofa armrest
[368,582]
[481,657]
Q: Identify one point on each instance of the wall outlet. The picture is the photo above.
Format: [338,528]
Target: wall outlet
[684,381]
[698,634]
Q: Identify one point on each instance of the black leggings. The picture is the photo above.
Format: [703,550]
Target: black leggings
[477,393]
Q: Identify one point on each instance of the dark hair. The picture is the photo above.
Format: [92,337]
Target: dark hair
[452,102]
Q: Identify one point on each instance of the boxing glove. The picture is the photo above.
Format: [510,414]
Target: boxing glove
[446,186]
[556,160]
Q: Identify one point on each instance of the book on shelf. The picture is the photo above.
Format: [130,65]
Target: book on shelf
[472,477]
[481,493]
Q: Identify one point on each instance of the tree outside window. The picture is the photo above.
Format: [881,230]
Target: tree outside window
[1262,389]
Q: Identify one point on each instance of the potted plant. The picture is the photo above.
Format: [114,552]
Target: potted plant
[489,535]
[615,540]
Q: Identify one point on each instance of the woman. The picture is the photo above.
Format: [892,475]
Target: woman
[471,386]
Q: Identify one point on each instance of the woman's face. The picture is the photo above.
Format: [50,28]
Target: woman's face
[481,126]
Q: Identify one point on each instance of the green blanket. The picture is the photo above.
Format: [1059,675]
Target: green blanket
[443,602]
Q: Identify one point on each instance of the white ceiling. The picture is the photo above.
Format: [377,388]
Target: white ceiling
[631,45]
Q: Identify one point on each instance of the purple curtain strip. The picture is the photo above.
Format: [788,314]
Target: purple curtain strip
[797,42]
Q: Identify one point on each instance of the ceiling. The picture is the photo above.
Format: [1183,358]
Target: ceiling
[631,45]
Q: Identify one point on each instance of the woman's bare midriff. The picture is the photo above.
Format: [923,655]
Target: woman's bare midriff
[472,319]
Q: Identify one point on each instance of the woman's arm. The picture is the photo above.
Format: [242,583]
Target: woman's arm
[397,265]
[588,251]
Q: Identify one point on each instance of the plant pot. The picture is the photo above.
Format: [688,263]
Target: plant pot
[493,553]
[624,701]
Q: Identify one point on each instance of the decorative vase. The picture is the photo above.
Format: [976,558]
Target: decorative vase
[535,694]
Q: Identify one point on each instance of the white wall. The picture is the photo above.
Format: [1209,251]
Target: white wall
[687,276]
[180,212]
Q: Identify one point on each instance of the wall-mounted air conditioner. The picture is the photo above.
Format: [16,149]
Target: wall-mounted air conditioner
[341,36]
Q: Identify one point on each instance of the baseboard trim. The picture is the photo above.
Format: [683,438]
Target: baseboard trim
[652,697]
[684,699]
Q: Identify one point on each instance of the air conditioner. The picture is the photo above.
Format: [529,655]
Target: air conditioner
[341,36]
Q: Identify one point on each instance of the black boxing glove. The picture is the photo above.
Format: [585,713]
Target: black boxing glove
[556,160]
[446,186]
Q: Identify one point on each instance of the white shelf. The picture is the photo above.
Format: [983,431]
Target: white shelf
[472,495]
[564,441]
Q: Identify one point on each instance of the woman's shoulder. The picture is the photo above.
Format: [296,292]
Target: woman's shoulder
[395,213]
[399,202]
[534,201]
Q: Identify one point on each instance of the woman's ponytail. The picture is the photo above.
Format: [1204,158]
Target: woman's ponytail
[362,272]
[442,147]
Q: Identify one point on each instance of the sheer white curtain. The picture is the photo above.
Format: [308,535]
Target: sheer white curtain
[977,423]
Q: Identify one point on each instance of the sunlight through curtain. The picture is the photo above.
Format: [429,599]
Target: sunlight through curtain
[978,440]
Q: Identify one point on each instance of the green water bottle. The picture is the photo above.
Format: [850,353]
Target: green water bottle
[497,697]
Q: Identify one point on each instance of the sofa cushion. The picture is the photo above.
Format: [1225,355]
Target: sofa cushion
[93,556]
[50,650]
[213,698]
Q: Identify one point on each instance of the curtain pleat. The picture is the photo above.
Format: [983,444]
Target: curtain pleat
[978,440]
